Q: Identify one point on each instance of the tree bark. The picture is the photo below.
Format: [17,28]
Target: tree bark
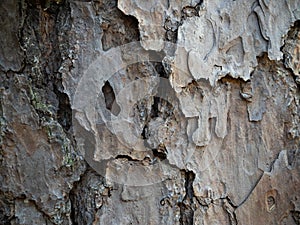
[149,112]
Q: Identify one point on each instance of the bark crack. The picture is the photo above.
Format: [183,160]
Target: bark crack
[187,205]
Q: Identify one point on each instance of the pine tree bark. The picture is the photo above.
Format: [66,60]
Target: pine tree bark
[149,112]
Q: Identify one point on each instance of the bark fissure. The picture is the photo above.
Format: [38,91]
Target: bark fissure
[187,205]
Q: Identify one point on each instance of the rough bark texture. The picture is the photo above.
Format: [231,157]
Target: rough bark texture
[150,112]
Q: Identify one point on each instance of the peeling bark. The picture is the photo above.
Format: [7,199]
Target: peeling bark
[149,112]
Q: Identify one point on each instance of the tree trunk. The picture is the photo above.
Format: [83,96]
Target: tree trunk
[149,112]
